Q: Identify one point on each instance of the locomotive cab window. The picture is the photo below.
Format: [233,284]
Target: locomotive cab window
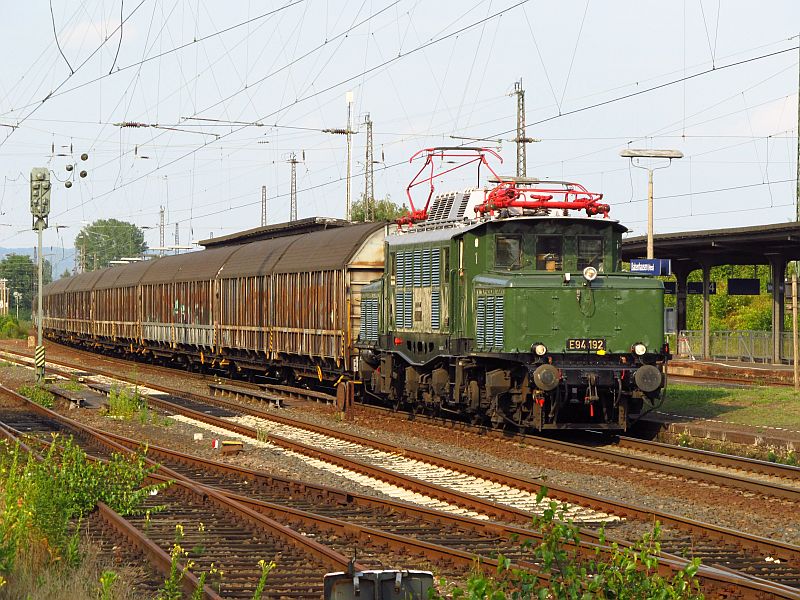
[508,252]
[590,253]
[549,253]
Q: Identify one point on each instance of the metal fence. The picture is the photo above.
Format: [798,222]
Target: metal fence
[745,346]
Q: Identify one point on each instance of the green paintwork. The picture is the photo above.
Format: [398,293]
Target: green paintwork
[539,306]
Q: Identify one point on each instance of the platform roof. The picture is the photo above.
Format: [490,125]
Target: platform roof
[758,244]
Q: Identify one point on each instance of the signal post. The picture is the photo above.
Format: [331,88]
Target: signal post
[40,209]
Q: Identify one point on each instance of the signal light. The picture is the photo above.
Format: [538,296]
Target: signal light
[398,341]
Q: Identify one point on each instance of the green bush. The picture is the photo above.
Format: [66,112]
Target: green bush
[628,573]
[10,328]
[38,394]
[125,403]
[42,502]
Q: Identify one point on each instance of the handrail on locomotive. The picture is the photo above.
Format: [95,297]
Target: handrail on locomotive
[510,192]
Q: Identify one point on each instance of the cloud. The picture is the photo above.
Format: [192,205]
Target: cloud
[85,36]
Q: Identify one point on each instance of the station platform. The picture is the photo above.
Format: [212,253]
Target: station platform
[728,373]
[748,373]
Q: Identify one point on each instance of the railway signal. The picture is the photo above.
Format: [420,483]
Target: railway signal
[40,210]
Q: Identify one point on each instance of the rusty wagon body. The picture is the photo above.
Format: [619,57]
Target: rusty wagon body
[278,298]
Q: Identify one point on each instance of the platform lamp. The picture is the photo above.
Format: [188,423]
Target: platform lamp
[634,155]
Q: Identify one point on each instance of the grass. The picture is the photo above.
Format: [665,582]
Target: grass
[38,394]
[71,385]
[126,403]
[35,578]
[43,502]
[759,406]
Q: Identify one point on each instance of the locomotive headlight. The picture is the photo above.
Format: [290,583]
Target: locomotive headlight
[639,349]
[590,273]
[539,349]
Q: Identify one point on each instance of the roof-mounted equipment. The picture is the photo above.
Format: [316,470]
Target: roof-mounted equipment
[513,192]
[469,155]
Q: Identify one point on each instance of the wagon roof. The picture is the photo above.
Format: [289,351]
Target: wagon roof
[264,232]
[84,282]
[323,250]
[192,266]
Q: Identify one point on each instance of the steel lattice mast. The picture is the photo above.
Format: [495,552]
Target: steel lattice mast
[293,190]
[369,175]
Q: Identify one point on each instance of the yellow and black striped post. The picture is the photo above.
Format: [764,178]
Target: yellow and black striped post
[39,361]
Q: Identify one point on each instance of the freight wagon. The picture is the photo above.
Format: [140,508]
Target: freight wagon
[283,299]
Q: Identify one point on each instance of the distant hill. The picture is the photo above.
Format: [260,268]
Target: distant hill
[62,258]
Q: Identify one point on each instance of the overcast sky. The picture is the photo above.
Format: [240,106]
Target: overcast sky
[236,87]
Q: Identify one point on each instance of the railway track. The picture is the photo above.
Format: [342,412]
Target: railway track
[715,545]
[462,536]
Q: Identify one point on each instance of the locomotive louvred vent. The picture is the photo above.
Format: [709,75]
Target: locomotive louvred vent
[417,268]
[398,310]
[369,319]
[488,341]
[441,207]
[408,309]
[435,266]
[499,325]
[426,267]
[489,322]
[462,208]
[408,268]
[399,266]
[480,322]
[435,309]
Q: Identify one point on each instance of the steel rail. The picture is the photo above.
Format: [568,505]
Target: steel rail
[783,551]
[323,555]
[668,565]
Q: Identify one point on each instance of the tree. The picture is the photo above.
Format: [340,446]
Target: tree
[385,209]
[65,274]
[106,240]
[21,272]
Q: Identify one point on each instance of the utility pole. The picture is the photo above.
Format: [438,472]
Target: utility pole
[161,233]
[797,172]
[177,238]
[349,98]
[293,189]
[522,140]
[40,209]
[82,257]
[369,175]
[4,300]
[346,132]
[263,205]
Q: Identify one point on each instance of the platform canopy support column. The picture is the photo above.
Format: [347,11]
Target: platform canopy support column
[681,271]
[777,263]
[706,311]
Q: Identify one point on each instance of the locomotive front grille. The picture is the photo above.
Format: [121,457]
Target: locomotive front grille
[490,322]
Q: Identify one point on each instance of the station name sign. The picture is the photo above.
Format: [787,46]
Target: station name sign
[651,266]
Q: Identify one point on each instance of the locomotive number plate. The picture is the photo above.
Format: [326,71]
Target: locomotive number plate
[586,344]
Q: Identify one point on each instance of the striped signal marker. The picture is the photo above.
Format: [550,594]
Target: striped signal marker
[39,356]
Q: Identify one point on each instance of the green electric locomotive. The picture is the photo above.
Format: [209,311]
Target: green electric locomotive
[508,305]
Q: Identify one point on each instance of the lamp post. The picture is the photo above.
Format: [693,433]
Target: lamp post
[634,155]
